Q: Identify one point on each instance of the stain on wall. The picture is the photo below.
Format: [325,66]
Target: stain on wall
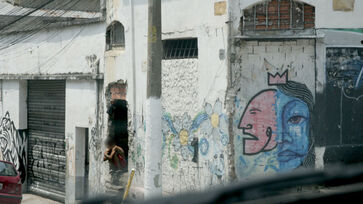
[95,144]
[13,145]
[220,8]
[343,5]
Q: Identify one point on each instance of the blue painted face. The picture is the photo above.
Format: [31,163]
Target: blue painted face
[293,119]
[289,142]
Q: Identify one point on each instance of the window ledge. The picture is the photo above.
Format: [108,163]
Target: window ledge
[114,52]
[271,37]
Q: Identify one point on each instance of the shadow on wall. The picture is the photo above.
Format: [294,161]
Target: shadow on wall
[13,145]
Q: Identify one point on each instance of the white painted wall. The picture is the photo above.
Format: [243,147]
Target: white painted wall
[14,93]
[55,51]
[81,104]
[195,82]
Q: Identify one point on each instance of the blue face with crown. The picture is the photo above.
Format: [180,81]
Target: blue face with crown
[276,127]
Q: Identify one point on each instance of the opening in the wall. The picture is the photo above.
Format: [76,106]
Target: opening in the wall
[115,36]
[82,162]
[180,48]
[117,139]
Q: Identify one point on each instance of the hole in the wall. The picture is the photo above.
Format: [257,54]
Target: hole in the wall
[117,138]
[361,42]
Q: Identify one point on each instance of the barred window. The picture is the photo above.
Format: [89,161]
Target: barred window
[180,48]
[278,15]
[115,36]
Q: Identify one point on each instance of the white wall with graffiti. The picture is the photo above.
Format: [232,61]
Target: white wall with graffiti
[13,134]
[81,112]
[273,107]
[193,91]
[194,139]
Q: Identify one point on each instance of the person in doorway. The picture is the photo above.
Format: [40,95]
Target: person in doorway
[118,123]
[117,142]
[115,155]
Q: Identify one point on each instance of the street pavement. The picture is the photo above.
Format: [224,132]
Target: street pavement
[35,199]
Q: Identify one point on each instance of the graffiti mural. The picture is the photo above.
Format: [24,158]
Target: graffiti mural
[13,145]
[344,96]
[179,133]
[276,126]
[47,161]
[204,138]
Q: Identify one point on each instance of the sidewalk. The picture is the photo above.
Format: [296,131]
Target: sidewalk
[35,199]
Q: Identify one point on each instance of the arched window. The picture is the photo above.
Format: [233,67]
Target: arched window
[278,15]
[115,36]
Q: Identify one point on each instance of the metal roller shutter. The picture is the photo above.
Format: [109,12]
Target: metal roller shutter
[46,150]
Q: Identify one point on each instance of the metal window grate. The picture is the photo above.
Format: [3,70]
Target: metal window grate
[115,36]
[180,48]
[278,15]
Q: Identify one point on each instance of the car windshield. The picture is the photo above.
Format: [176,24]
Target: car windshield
[7,169]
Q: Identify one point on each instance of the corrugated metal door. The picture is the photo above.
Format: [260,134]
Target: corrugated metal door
[46,150]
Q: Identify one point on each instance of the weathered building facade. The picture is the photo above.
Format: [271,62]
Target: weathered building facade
[249,88]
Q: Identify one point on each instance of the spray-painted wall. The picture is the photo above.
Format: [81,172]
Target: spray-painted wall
[339,98]
[193,91]
[262,123]
[273,106]
[13,124]
[284,89]
[74,54]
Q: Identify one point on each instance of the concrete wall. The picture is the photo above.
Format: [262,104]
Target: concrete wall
[193,97]
[81,112]
[205,124]
[339,102]
[260,111]
[65,53]
[308,62]
[13,138]
[192,88]
[55,51]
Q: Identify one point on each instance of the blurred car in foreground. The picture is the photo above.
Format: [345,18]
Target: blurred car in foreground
[341,184]
[10,184]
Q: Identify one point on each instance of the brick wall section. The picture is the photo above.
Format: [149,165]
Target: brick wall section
[278,15]
[118,91]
